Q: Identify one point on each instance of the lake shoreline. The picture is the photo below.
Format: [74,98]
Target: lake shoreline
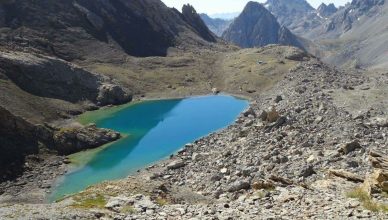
[18,192]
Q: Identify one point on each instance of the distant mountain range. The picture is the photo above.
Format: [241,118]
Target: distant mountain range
[216,25]
[355,34]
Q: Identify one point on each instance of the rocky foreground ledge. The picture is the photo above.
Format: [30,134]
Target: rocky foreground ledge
[301,151]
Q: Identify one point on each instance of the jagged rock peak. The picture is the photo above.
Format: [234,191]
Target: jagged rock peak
[327,10]
[191,16]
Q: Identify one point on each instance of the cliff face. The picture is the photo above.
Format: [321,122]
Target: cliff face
[256,26]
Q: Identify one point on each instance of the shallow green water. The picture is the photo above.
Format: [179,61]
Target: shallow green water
[153,131]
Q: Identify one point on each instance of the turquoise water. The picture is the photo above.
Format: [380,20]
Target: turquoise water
[156,129]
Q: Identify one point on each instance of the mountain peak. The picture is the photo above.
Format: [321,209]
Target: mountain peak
[256,26]
[190,15]
[253,7]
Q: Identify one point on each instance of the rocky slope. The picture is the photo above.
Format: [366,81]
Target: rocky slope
[298,152]
[216,25]
[256,26]
[297,15]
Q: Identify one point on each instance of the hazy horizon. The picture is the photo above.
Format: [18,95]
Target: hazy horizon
[231,6]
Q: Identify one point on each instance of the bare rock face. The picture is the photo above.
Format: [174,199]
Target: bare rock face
[75,139]
[54,78]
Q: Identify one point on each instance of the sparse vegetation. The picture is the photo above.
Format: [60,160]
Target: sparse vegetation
[366,200]
[87,202]
[161,201]
[128,209]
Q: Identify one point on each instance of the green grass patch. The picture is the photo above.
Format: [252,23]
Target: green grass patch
[366,200]
[87,202]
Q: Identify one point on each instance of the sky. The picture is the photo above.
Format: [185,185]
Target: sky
[226,6]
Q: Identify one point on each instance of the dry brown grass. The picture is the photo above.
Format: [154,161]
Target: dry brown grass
[366,200]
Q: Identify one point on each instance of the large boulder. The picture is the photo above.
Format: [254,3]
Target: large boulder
[112,94]
[378,180]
